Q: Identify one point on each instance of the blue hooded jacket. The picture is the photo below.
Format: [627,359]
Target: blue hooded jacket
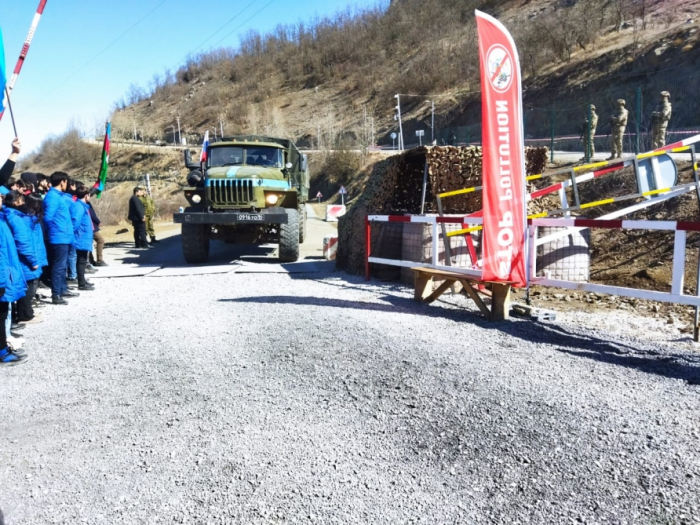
[82,226]
[22,234]
[57,217]
[38,239]
[11,277]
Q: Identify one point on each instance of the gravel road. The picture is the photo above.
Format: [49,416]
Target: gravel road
[319,398]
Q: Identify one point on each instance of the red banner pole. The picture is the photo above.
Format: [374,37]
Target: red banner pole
[503,154]
[25,49]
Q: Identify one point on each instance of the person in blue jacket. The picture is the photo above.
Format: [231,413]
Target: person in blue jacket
[20,226]
[12,288]
[34,208]
[82,229]
[72,254]
[59,229]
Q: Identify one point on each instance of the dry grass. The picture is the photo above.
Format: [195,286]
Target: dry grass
[113,206]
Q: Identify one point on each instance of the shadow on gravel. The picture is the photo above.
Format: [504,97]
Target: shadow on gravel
[685,367]
[397,305]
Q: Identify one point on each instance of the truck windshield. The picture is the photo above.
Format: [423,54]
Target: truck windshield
[230,156]
[264,156]
[251,156]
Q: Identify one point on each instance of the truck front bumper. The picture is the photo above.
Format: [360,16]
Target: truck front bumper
[230,217]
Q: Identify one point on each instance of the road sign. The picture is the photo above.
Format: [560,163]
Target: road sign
[420,134]
[342,191]
[319,195]
[393,136]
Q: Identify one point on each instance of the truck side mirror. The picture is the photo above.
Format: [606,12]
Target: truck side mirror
[304,163]
[188,161]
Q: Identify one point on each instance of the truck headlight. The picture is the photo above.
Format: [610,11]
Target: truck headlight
[196,199]
[272,199]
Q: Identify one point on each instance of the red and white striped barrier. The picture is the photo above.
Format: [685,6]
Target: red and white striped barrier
[25,49]
[681,228]
[330,247]
[334,211]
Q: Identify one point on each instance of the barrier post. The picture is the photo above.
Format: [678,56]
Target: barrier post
[589,148]
[638,119]
[368,236]
[551,144]
[532,260]
[425,186]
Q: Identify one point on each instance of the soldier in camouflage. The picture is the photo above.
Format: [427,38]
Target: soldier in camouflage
[588,136]
[150,209]
[659,120]
[618,123]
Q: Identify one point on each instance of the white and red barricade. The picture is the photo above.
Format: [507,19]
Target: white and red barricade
[335,211]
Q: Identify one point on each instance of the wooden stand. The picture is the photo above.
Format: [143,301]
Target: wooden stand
[499,291]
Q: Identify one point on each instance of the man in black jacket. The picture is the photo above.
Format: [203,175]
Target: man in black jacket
[96,235]
[137,216]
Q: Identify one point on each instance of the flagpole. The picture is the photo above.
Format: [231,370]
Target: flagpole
[12,115]
[25,48]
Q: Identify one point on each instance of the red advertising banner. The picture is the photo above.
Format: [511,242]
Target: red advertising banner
[503,154]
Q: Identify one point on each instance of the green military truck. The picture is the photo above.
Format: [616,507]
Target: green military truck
[250,190]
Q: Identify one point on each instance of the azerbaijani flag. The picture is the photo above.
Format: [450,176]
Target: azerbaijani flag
[102,178]
[205,147]
[3,76]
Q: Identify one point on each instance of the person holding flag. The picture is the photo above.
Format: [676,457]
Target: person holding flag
[9,166]
[101,181]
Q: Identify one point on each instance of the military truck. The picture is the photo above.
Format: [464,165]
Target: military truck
[250,190]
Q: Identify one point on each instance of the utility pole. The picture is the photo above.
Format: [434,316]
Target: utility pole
[398,109]
[175,143]
[638,119]
[432,121]
[179,135]
[221,125]
[364,125]
[134,131]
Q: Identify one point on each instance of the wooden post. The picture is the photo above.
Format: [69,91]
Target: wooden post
[421,286]
[500,301]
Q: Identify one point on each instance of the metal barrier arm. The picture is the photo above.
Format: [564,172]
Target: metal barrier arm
[613,215]
[680,228]
[610,166]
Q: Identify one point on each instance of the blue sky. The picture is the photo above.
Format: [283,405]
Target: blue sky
[63,81]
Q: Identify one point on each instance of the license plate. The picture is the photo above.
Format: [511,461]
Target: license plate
[250,217]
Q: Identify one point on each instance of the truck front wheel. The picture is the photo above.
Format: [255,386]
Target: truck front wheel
[289,237]
[195,242]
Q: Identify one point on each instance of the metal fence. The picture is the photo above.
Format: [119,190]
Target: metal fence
[559,124]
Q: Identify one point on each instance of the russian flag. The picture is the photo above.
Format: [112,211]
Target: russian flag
[3,76]
[205,147]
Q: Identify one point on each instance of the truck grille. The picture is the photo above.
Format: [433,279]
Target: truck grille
[230,191]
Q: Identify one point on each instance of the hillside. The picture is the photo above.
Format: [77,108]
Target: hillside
[331,83]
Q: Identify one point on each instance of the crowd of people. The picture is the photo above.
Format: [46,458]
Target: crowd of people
[48,229]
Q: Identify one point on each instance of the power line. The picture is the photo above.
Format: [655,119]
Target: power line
[244,23]
[229,34]
[109,45]
[188,55]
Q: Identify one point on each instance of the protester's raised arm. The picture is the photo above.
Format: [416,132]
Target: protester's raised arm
[9,166]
